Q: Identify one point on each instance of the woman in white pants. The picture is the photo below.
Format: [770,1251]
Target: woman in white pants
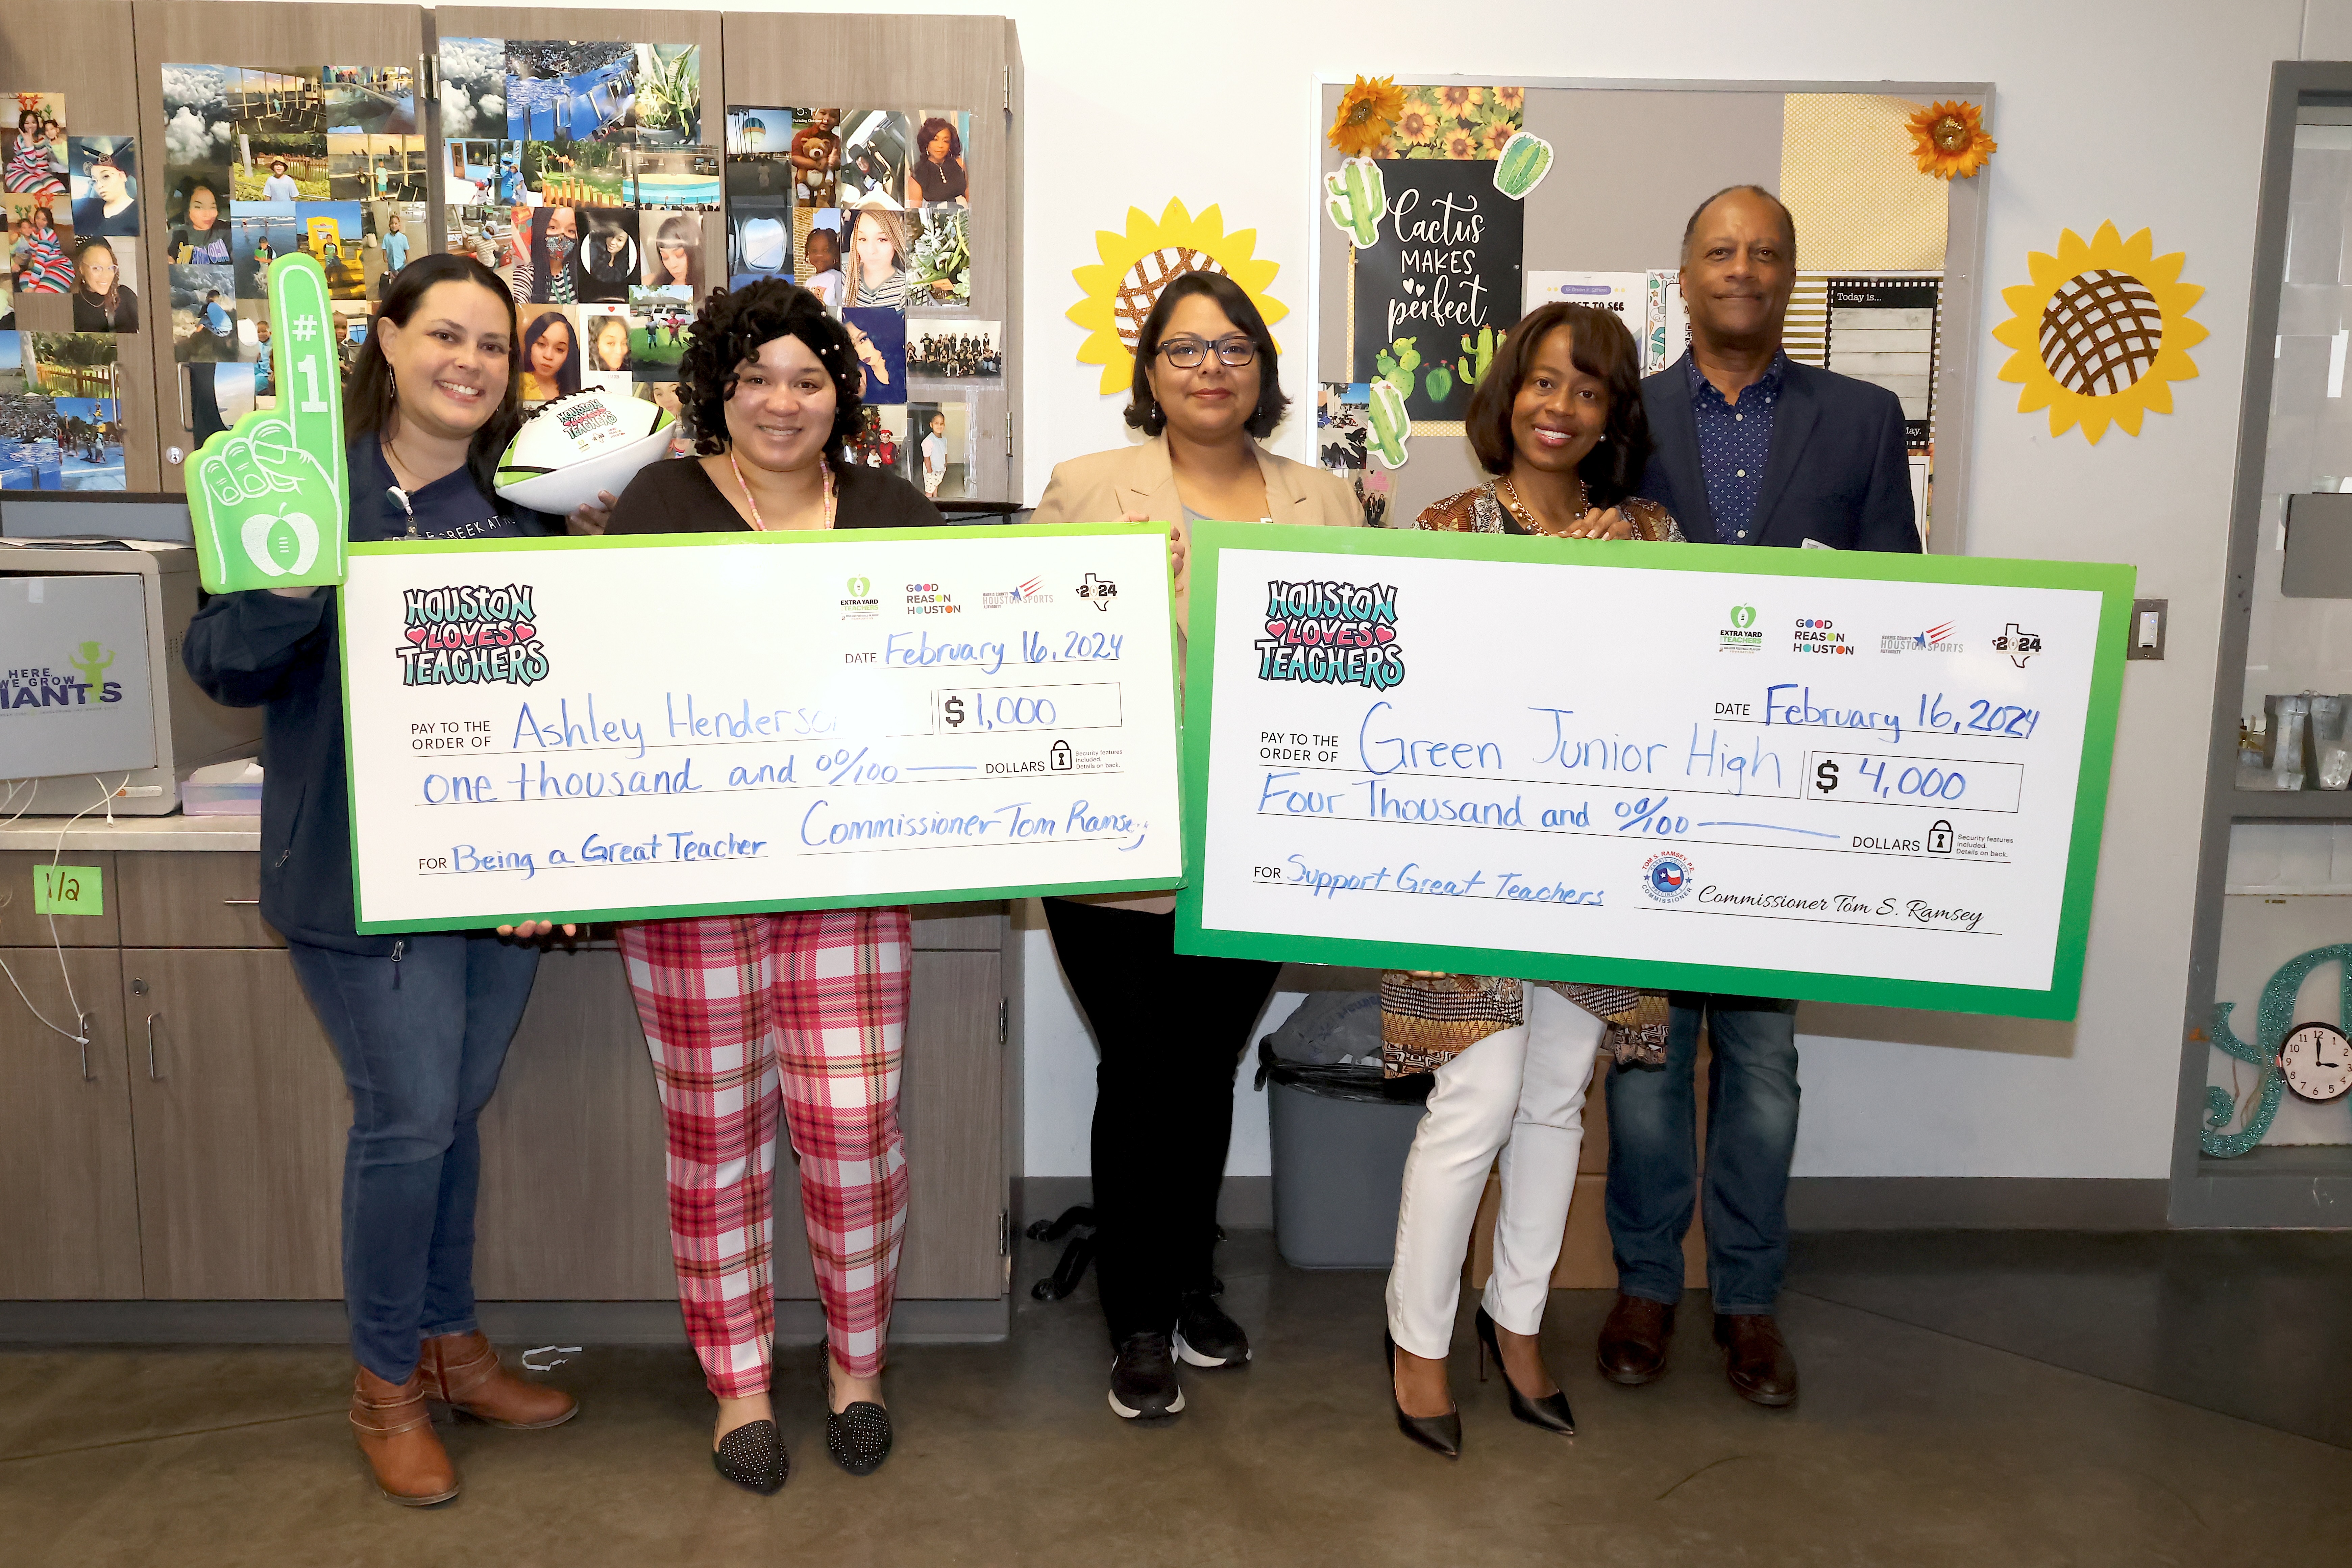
[1556,422]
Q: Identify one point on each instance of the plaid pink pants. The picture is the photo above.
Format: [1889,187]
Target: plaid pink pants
[744,1014]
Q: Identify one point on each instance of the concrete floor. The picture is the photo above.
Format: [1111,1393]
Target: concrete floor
[1941,1424]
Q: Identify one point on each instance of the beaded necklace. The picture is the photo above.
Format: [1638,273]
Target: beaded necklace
[759,523]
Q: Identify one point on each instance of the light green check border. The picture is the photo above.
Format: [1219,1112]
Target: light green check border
[487,548]
[2114,585]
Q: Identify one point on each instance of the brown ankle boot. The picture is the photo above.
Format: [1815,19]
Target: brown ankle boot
[395,1433]
[462,1370]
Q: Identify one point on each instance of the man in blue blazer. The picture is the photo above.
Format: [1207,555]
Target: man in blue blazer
[1752,448]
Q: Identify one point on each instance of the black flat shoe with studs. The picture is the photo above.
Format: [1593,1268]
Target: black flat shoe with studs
[753,1457]
[858,1438]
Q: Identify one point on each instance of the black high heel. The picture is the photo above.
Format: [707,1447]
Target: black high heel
[1438,1434]
[1550,1413]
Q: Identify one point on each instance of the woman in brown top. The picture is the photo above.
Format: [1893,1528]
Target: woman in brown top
[1557,422]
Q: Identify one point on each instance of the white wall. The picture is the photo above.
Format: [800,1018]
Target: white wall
[2147,114]
[2150,114]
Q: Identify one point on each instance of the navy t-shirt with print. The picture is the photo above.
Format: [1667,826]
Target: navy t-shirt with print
[258,649]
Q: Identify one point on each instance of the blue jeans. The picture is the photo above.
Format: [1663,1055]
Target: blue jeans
[421,1036]
[1751,1133]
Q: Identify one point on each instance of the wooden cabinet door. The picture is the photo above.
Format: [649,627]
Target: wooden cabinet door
[239,1112]
[69,1214]
[918,65]
[84,52]
[574,1205]
[20,927]
[172,898]
[951,1109]
[271,35]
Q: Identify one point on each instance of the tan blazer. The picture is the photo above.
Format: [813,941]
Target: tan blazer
[1103,487]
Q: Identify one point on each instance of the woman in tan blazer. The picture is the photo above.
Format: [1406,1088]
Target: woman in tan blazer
[1171,1028]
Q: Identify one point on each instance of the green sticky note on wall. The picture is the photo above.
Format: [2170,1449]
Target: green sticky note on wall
[67,891]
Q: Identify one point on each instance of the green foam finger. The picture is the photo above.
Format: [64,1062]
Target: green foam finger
[302,343]
[271,498]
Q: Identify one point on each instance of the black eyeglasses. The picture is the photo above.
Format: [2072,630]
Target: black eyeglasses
[1185,353]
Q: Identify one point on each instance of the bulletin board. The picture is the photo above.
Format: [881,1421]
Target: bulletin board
[1889,259]
[77,296]
[613,166]
[263,129]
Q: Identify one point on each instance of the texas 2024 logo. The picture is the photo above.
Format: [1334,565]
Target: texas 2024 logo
[1331,633]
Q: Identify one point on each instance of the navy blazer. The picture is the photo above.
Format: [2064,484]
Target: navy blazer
[1838,474]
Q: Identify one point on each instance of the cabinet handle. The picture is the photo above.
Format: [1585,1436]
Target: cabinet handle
[83,1025]
[152,1075]
[240,901]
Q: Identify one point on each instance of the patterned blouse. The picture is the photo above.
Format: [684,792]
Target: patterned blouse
[1427,1020]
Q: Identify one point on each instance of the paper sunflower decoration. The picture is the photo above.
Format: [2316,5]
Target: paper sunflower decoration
[1137,265]
[1367,111]
[2101,333]
[1949,141]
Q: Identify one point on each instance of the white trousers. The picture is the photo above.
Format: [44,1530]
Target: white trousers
[1520,1091]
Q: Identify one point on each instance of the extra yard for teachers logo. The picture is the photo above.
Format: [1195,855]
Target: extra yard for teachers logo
[1336,633]
[472,634]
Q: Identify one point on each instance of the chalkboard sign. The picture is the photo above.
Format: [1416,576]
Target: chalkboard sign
[1442,286]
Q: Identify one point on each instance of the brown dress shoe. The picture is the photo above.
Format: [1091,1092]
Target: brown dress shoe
[1633,1340]
[395,1433]
[1757,1359]
[462,1370]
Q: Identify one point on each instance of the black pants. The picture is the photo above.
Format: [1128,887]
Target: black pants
[1171,1030]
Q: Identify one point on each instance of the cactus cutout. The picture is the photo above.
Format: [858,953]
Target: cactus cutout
[1359,199]
[1477,358]
[1525,161]
[1438,384]
[1389,424]
[1398,364]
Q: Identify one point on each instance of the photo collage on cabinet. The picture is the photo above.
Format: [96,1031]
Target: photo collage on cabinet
[871,210]
[579,173]
[262,162]
[70,290]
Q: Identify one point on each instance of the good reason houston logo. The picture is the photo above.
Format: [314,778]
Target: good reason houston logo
[1337,632]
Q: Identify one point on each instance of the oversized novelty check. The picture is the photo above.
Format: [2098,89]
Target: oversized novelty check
[697,725]
[1783,772]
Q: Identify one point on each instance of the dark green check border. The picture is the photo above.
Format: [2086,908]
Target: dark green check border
[845,540]
[2113,583]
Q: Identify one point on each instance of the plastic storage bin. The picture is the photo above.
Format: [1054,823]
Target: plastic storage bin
[1339,1137]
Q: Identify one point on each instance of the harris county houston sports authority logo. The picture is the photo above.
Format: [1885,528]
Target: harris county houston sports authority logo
[1332,633]
[1666,877]
[471,635]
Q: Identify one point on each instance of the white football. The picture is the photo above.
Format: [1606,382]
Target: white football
[577,445]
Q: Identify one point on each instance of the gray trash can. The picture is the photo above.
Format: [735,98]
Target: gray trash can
[1339,1136]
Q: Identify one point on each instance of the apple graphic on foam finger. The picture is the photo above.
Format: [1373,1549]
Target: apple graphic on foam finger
[281,546]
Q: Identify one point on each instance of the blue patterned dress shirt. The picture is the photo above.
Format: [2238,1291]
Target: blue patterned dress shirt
[1734,443]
